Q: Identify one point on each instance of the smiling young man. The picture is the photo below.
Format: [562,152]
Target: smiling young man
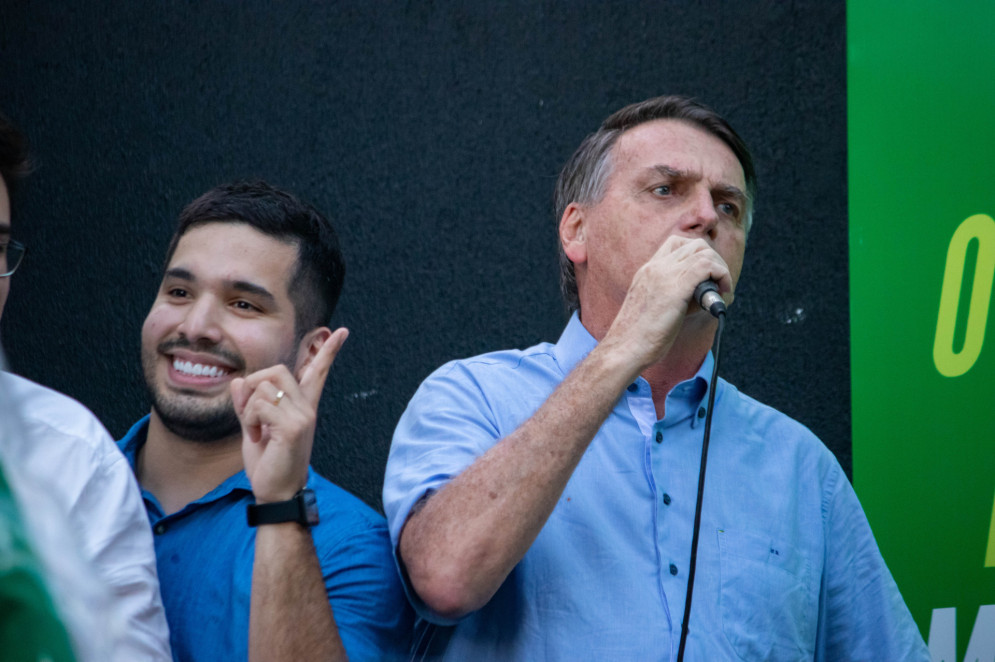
[541,501]
[259,557]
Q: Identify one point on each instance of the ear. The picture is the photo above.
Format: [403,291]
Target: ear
[573,233]
[308,348]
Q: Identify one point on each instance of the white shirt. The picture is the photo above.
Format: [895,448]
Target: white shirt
[66,470]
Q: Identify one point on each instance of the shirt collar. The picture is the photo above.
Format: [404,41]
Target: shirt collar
[135,439]
[138,435]
[574,344]
[687,399]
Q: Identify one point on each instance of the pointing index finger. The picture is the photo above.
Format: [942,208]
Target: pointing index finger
[316,371]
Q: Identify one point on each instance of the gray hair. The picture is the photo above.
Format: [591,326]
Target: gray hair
[584,178]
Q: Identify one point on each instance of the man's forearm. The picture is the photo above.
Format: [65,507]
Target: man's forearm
[290,616]
[465,540]
[460,546]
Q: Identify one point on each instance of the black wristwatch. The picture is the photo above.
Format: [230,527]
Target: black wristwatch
[302,508]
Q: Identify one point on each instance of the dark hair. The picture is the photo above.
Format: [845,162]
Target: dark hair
[585,175]
[316,283]
[15,159]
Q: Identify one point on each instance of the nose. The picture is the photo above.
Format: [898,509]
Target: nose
[201,321]
[700,217]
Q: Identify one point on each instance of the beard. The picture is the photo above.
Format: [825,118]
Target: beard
[188,414]
[196,421]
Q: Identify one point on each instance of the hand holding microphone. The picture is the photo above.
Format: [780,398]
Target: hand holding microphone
[708,297]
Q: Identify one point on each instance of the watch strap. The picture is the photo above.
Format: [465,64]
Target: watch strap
[301,508]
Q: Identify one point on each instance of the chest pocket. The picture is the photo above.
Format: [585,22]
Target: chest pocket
[768,599]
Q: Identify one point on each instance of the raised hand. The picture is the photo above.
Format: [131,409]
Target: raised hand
[278,413]
[661,296]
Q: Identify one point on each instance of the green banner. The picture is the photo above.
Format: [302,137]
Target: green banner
[921,112]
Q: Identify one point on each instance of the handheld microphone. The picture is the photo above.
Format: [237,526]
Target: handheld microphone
[708,297]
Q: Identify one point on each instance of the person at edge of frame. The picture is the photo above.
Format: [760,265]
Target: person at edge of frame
[76,489]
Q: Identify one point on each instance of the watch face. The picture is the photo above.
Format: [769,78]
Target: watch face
[310,506]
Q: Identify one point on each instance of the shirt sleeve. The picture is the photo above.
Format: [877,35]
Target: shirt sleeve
[119,541]
[862,613]
[448,424]
[90,476]
[372,616]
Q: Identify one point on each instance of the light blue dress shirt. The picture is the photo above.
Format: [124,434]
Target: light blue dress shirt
[205,554]
[787,566]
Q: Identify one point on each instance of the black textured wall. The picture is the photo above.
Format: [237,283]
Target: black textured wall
[432,133]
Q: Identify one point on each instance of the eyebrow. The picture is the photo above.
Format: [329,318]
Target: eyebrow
[245,286]
[732,191]
[668,171]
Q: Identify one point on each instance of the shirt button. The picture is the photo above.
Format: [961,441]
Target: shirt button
[666,499]
[160,528]
[633,388]
[659,437]
[673,569]
[701,412]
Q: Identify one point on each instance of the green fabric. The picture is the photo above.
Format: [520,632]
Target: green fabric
[30,627]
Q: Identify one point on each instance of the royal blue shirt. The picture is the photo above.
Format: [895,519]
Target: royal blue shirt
[205,553]
[787,566]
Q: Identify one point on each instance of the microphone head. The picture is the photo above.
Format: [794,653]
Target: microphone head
[708,297]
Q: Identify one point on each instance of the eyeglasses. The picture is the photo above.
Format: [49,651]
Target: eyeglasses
[11,254]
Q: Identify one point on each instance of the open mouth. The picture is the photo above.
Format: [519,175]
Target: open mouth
[190,369]
[199,367]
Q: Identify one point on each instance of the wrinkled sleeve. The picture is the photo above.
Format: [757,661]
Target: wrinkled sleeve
[447,425]
[119,542]
[862,613]
[372,616]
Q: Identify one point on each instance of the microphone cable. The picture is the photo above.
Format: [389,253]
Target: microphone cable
[720,314]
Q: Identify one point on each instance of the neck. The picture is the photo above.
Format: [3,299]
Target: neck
[177,471]
[681,361]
